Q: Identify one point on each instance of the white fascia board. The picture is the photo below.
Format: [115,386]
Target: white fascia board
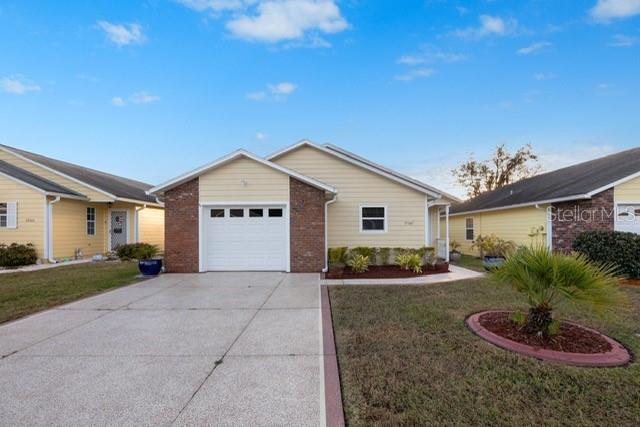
[70,178]
[354,162]
[524,205]
[232,156]
[613,184]
[139,202]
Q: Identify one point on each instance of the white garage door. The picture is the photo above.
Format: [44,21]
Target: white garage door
[250,238]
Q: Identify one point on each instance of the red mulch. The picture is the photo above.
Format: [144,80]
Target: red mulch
[571,339]
[630,282]
[381,272]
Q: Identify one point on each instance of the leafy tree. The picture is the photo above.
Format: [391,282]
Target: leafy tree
[503,168]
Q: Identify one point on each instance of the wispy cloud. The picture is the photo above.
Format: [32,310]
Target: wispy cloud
[122,34]
[415,73]
[429,54]
[214,6]
[118,101]
[608,10]
[488,26]
[260,136]
[620,40]
[18,85]
[141,97]
[534,48]
[277,92]
[544,76]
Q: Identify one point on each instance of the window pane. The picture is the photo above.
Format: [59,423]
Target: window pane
[469,234]
[3,221]
[236,213]
[373,224]
[3,208]
[217,213]
[469,222]
[275,213]
[375,212]
[255,213]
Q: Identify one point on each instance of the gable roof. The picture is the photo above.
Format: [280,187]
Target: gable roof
[35,181]
[579,181]
[368,165]
[229,158]
[111,185]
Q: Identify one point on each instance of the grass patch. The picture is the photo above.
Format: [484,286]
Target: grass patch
[23,293]
[470,262]
[406,358]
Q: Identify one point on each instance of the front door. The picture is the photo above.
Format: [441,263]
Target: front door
[118,228]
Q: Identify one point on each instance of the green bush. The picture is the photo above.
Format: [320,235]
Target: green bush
[612,247]
[410,261]
[384,254]
[493,246]
[364,251]
[16,255]
[136,251]
[337,256]
[359,263]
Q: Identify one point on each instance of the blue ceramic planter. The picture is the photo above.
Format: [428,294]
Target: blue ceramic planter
[492,262]
[150,267]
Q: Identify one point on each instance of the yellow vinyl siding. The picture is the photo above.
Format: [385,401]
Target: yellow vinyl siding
[93,195]
[357,186]
[628,191]
[244,180]
[30,215]
[151,227]
[70,229]
[509,224]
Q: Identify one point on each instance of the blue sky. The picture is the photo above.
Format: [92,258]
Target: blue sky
[150,89]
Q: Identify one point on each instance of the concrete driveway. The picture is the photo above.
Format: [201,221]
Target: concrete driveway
[202,349]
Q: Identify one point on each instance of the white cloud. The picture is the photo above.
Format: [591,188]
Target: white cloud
[214,5]
[257,96]
[280,20]
[143,98]
[122,34]
[260,136]
[620,40]
[284,88]
[607,10]
[415,73]
[277,91]
[488,26]
[18,85]
[544,76]
[118,101]
[533,48]
[430,54]
[462,10]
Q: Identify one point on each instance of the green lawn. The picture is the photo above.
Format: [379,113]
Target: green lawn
[470,262]
[406,358]
[28,292]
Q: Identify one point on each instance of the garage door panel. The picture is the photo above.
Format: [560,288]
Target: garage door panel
[246,242]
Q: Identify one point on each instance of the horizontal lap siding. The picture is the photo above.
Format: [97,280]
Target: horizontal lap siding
[151,227]
[44,173]
[508,224]
[357,186]
[225,183]
[70,229]
[628,191]
[30,220]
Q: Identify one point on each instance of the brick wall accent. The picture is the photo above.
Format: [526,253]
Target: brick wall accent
[307,227]
[181,230]
[576,216]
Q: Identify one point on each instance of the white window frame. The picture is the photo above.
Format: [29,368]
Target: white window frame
[466,228]
[5,215]
[386,218]
[93,221]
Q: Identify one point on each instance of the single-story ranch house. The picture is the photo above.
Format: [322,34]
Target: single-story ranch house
[68,211]
[554,207]
[244,212]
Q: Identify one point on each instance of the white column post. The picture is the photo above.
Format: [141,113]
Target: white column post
[446,214]
[427,222]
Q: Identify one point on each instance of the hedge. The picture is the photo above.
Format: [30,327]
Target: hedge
[16,255]
[612,247]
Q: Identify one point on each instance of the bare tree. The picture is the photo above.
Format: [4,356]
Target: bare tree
[501,169]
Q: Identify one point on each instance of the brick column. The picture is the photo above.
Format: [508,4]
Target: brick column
[577,216]
[181,229]
[307,227]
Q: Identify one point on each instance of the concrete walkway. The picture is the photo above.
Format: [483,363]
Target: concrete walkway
[455,273]
[209,349]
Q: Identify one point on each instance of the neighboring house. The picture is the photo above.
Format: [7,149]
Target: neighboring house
[67,210]
[244,212]
[555,207]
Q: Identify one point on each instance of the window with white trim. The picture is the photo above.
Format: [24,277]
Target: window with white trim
[468,229]
[4,212]
[91,221]
[373,219]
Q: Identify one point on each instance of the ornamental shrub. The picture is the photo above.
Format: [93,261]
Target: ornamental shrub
[408,261]
[17,255]
[359,263]
[337,256]
[136,251]
[612,247]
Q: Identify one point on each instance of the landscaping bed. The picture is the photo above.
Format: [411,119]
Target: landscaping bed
[384,272]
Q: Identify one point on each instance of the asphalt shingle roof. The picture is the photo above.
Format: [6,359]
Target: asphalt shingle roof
[575,180]
[35,180]
[112,184]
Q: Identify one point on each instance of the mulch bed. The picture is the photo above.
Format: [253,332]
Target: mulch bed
[571,338]
[381,272]
[630,282]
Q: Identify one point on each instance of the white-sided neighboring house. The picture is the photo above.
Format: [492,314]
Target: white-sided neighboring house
[282,212]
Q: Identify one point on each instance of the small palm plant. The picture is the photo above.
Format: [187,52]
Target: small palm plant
[546,278]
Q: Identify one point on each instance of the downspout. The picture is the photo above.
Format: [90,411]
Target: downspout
[50,257]
[326,232]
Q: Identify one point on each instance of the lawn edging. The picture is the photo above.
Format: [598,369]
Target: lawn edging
[332,393]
